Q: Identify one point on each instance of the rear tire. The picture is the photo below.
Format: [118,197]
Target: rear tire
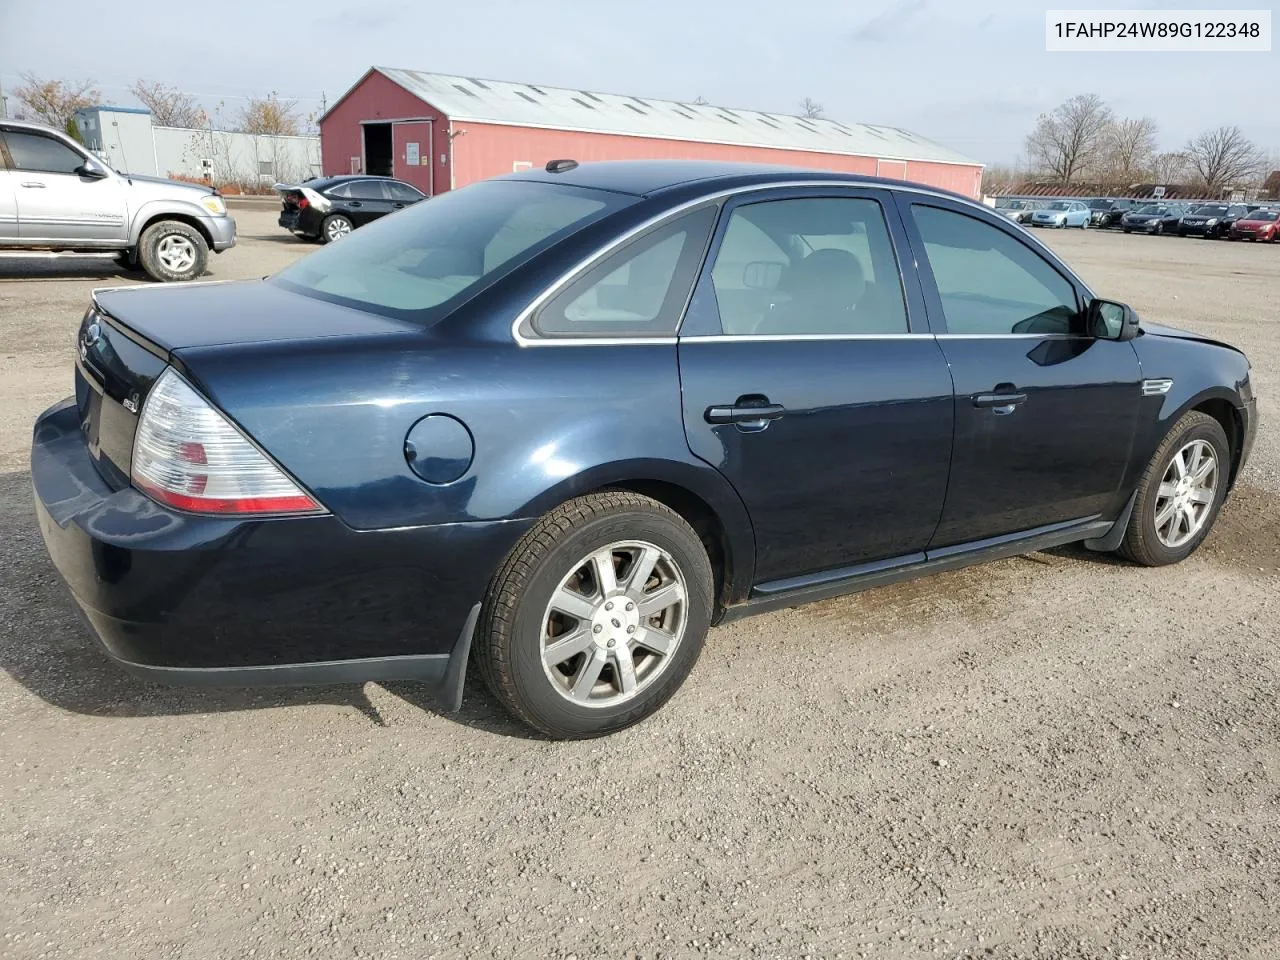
[335,227]
[607,677]
[172,251]
[1151,539]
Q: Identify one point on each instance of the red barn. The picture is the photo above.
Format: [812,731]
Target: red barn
[439,132]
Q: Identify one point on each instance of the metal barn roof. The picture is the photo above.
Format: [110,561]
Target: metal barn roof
[557,108]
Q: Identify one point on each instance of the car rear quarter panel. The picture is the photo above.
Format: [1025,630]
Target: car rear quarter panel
[548,423]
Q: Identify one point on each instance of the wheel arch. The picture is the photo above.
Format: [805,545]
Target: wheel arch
[191,221]
[1228,416]
[702,497]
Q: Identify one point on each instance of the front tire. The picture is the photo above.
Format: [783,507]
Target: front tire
[597,616]
[172,251]
[1180,493]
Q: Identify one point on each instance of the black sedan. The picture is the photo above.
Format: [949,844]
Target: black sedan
[328,208]
[559,423]
[1107,213]
[1211,220]
[1153,218]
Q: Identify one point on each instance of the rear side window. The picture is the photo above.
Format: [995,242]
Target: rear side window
[367,190]
[421,263]
[639,291]
[809,266]
[39,154]
[989,282]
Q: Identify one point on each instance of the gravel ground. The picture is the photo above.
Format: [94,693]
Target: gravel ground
[1055,756]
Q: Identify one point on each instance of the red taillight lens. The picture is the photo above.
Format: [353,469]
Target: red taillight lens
[302,203]
[187,455]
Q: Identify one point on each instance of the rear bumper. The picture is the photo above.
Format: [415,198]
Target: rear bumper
[213,601]
[306,222]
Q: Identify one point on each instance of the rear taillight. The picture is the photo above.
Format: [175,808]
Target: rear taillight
[187,455]
[302,203]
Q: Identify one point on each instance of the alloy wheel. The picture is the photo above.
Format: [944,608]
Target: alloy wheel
[176,253]
[1186,493]
[613,624]
[336,229]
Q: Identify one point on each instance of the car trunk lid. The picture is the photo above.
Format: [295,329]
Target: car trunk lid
[131,334]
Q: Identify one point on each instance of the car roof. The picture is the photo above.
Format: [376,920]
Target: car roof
[647,178]
[29,125]
[323,182]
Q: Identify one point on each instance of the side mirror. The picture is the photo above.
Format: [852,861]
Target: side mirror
[1108,320]
[92,169]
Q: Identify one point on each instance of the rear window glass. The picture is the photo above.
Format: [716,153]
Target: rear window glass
[420,264]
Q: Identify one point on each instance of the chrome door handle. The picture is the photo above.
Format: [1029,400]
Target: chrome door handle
[32,183]
[744,413]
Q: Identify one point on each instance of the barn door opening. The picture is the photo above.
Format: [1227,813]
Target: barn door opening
[377,149]
[412,149]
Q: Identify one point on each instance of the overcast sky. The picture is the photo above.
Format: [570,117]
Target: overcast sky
[972,76]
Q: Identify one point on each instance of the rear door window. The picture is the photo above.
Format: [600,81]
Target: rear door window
[367,190]
[809,266]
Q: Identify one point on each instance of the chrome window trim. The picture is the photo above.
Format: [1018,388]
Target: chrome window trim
[589,261]
[778,337]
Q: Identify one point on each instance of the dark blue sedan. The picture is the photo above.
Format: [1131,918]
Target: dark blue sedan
[560,423]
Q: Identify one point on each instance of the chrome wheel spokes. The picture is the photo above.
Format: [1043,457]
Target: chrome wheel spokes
[612,625]
[1186,493]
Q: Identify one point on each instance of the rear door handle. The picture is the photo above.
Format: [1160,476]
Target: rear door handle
[33,184]
[353,203]
[744,413]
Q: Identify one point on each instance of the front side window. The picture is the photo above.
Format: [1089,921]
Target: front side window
[40,154]
[420,264]
[809,266]
[990,282]
[639,291]
[403,193]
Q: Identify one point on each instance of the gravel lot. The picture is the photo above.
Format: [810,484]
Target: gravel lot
[1055,756]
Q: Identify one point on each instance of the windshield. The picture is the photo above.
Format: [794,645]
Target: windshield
[1266,216]
[1011,204]
[1100,204]
[1151,208]
[1210,210]
[1059,205]
[420,264]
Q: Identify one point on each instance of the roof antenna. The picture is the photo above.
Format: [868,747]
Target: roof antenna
[561,166]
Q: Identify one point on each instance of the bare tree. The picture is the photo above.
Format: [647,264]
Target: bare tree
[56,101]
[270,115]
[1169,167]
[810,109]
[1068,140]
[1224,157]
[169,106]
[1130,146]
[997,178]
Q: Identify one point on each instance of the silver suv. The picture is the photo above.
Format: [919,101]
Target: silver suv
[54,195]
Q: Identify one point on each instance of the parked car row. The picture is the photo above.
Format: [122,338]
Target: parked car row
[1212,220]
